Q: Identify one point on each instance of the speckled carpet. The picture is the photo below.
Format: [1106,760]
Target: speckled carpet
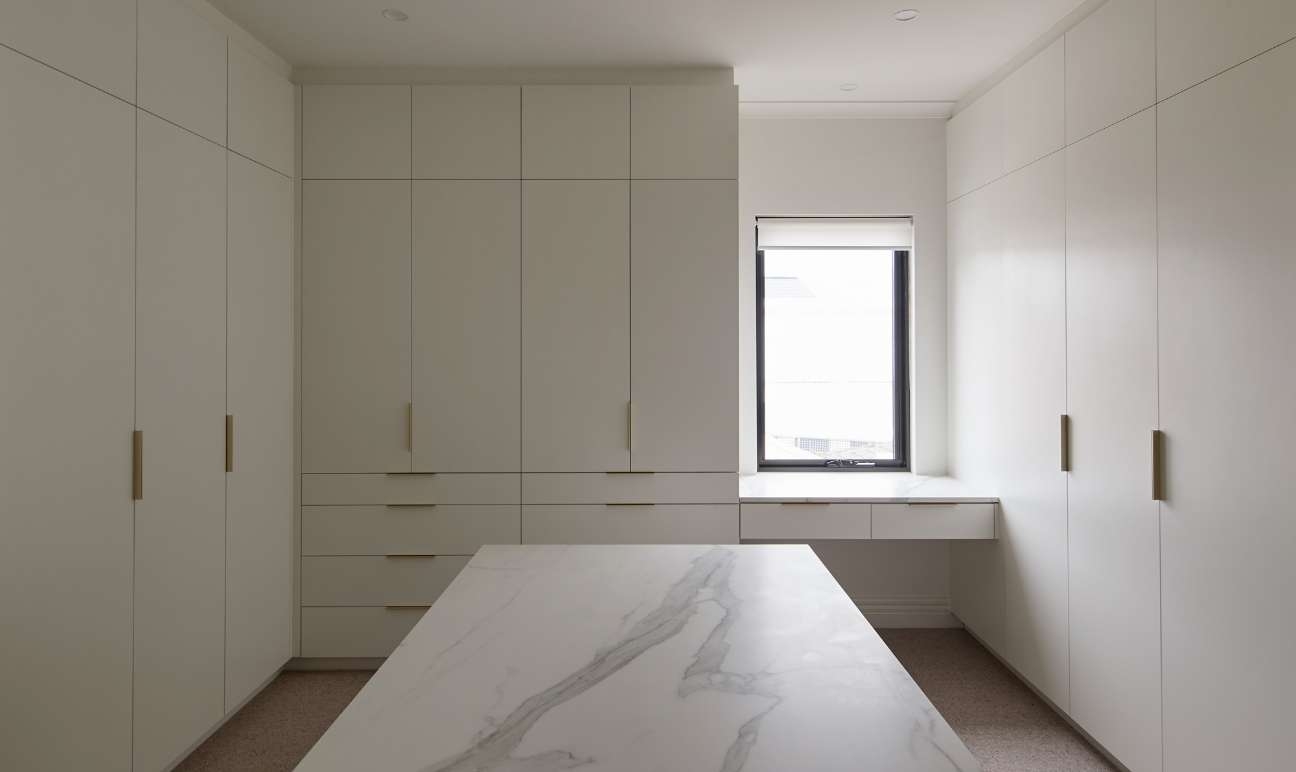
[1006,726]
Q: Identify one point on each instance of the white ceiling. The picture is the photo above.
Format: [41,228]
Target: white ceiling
[781,50]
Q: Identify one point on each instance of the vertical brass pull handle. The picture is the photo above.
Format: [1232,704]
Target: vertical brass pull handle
[229,443]
[409,426]
[137,465]
[1158,465]
[630,425]
[1065,434]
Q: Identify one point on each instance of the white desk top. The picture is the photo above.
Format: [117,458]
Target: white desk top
[639,658]
[876,487]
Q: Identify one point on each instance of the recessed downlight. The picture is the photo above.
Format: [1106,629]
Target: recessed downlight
[395,14]
[848,86]
[906,14]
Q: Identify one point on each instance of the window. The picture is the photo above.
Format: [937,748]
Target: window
[832,342]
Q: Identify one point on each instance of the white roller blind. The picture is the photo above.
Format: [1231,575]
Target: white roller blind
[835,232]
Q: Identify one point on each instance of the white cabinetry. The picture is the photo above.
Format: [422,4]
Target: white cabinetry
[575,326]
[259,485]
[356,132]
[92,40]
[1111,270]
[1225,231]
[355,326]
[262,112]
[684,132]
[467,132]
[1110,66]
[684,343]
[467,326]
[182,67]
[180,408]
[575,132]
[66,407]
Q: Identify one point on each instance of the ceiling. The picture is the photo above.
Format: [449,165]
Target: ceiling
[781,50]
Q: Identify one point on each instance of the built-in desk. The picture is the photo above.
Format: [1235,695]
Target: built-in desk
[862,505]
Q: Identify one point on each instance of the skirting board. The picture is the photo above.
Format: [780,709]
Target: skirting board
[908,611]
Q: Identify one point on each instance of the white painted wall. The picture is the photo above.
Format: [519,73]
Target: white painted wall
[840,166]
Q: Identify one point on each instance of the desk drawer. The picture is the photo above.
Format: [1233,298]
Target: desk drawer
[920,520]
[355,631]
[806,520]
[646,524]
[663,488]
[452,529]
[376,581]
[379,489]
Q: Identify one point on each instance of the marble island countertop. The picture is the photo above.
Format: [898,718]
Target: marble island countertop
[874,487]
[638,658]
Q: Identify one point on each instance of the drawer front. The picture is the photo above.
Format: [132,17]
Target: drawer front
[452,529]
[650,524]
[804,520]
[379,489]
[934,521]
[376,581]
[355,631]
[663,488]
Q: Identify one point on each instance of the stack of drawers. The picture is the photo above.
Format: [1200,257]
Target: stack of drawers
[378,549]
[630,508]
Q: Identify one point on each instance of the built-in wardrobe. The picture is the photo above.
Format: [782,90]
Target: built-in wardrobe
[146,405]
[1121,268]
[519,325]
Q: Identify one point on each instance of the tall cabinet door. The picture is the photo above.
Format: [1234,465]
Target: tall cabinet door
[1113,551]
[355,344]
[259,537]
[575,326]
[180,408]
[684,333]
[1032,387]
[467,326]
[66,343]
[1226,176]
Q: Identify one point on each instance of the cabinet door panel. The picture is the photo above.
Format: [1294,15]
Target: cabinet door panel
[259,490]
[262,112]
[684,132]
[1032,390]
[1110,66]
[575,326]
[355,326]
[575,132]
[180,408]
[467,132]
[684,328]
[467,326]
[356,132]
[1115,628]
[1226,177]
[182,67]
[93,40]
[1198,39]
[67,155]
[1033,120]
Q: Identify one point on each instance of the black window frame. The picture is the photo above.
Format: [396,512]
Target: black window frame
[901,392]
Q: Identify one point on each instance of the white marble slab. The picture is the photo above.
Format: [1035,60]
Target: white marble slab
[872,487]
[638,658]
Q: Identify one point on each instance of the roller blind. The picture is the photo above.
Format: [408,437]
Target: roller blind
[834,232]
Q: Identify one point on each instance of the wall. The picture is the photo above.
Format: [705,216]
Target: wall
[841,166]
[851,166]
[1119,252]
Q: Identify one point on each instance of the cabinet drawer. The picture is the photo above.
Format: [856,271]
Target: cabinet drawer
[344,489]
[637,488]
[452,529]
[372,631]
[633,524]
[934,521]
[375,580]
[806,520]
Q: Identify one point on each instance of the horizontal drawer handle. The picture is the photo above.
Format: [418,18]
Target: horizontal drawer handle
[627,471]
[628,504]
[804,503]
[932,503]
[408,605]
[411,474]
[409,506]
[408,555]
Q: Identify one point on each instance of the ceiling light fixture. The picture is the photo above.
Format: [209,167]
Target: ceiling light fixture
[394,14]
[848,86]
[906,14]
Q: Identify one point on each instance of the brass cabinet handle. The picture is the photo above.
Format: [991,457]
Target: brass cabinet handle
[628,471]
[397,555]
[137,465]
[1066,442]
[628,504]
[804,503]
[1158,465]
[409,506]
[932,503]
[229,443]
[630,425]
[409,426]
[410,474]
[407,605]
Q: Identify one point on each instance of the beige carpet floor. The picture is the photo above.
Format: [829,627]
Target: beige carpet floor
[1005,725]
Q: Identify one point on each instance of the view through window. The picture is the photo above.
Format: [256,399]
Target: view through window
[831,316]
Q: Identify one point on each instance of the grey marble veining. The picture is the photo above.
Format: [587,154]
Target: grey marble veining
[635,658]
